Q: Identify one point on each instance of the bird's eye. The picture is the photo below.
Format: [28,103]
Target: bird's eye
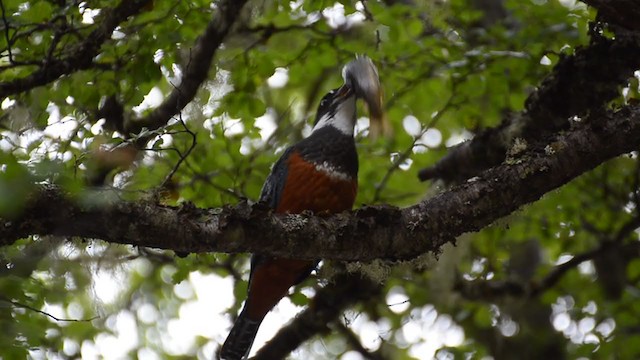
[325,100]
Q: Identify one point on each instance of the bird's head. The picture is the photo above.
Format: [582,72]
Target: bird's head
[338,107]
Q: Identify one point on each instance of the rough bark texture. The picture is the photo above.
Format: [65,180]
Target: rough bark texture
[365,234]
[489,148]
[579,84]
[622,12]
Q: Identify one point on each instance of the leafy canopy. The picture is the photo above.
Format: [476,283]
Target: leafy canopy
[449,69]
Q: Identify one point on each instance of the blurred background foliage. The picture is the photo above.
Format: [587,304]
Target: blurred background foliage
[449,70]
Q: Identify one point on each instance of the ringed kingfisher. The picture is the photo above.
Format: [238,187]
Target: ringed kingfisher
[318,174]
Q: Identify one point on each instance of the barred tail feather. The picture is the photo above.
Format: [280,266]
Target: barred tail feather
[240,339]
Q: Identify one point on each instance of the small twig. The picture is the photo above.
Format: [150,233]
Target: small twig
[24,306]
[482,289]
[355,343]
[556,274]
[270,29]
[207,179]
[407,152]
[410,84]
[367,13]
[80,55]
[54,43]
[627,229]
[182,156]
[6,31]
[635,193]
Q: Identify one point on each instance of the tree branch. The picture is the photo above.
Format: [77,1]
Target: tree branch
[354,342]
[490,290]
[365,234]
[329,302]
[30,308]
[621,12]
[196,70]
[579,84]
[80,56]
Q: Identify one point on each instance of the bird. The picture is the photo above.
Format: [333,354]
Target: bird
[317,174]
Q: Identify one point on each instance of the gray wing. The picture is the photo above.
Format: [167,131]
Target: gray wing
[270,194]
[273,186]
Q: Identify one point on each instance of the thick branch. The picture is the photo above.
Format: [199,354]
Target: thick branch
[579,84]
[196,69]
[367,233]
[620,12]
[81,56]
[330,301]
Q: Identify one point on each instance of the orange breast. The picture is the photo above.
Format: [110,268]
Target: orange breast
[307,188]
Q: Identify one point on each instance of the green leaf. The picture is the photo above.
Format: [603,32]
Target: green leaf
[482,317]
[37,12]
[15,185]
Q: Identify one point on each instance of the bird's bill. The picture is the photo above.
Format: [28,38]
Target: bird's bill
[344,91]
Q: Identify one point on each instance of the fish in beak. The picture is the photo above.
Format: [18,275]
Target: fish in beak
[361,76]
